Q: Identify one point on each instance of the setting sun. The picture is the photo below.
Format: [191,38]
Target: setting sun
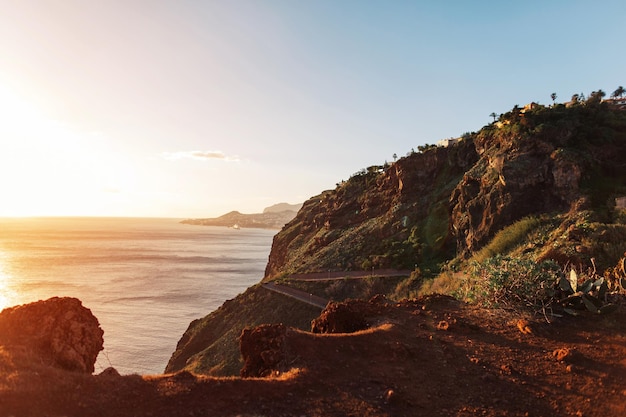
[48,168]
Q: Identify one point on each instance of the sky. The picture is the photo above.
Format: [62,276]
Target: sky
[194,108]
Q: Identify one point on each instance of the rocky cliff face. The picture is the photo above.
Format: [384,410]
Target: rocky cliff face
[445,202]
[385,216]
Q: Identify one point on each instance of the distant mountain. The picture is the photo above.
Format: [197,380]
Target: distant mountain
[277,208]
[273,217]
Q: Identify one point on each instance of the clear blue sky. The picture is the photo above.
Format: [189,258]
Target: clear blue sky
[195,108]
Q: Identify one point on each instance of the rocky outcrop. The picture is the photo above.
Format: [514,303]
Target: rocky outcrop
[349,316]
[493,196]
[540,162]
[263,349]
[58,331]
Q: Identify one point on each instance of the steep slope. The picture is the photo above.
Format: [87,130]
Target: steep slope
[541,161]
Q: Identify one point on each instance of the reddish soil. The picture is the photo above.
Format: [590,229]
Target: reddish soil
[430,357]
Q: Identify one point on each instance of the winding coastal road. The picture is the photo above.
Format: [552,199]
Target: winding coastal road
[303,296]
[320,302]
[334,275]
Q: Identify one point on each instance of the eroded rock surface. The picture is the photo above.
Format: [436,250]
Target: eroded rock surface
[58,331]
[349,316]
[263,349]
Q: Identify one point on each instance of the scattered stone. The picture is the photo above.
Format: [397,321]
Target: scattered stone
[562,354]
[389,396]
[524,326]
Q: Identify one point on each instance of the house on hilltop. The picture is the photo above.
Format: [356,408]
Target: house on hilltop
[529,107]
[618,102]
[448,142]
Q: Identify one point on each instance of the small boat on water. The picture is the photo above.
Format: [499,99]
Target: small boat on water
[235,226]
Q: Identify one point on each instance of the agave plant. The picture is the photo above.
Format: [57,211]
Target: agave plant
[590,295]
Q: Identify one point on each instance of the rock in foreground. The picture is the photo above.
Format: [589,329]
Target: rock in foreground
[59,331]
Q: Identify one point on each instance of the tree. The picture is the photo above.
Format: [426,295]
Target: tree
[553,97]
[595,97]
[619,92]
[494,115]
[395,156]
[575,98]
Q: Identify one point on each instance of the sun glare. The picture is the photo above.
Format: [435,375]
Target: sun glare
[50,168]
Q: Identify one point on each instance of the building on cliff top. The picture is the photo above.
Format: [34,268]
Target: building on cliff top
[620,102]
[448,142]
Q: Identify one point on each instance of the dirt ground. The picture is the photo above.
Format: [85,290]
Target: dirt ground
[427,357]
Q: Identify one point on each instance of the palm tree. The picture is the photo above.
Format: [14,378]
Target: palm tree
[553,97]
[494,115]
[619,92]
[596,96]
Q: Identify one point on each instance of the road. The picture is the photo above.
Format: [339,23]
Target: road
[303,296]
[329,276]
[334,275]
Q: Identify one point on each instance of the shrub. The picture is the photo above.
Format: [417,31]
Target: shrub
[503,281]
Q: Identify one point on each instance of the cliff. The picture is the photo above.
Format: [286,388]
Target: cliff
[392,216]
[449,202]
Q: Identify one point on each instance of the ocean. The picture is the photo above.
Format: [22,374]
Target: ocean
[144,279]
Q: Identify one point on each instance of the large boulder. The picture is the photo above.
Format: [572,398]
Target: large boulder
[263,350]
[58,331]
[348,316]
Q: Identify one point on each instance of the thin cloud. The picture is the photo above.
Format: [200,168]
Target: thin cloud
[200,155]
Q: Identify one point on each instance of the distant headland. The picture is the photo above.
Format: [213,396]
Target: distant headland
[273,217]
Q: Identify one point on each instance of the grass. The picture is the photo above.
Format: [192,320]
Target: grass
[507,238]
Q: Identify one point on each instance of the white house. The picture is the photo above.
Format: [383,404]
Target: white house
[448,142]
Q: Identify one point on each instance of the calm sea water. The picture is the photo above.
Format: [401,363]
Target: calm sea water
[145,279]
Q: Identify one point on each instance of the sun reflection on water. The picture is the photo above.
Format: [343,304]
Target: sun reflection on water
[7,294]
